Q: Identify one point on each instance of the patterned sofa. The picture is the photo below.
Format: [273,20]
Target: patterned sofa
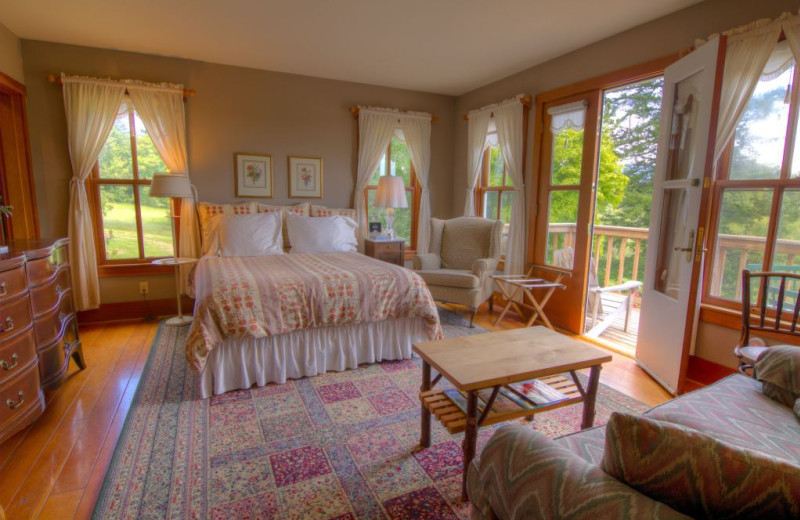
[523,474]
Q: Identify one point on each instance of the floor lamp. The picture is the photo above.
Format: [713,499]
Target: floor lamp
[174,186]
[391,193]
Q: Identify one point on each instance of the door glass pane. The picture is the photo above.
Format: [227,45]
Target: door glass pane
[119,222]
[490,204]
[148,159]
[562,223]
[401,160]
[114,161]
[786,258]
[567,157]
[761,131]
[741,238]
[685,107]
[496,164]
[156,224]
[676,235]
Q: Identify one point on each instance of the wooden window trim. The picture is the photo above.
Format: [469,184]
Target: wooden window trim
[128,266]
[482,186]
[777,186]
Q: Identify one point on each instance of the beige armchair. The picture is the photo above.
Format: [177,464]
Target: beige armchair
[464,253]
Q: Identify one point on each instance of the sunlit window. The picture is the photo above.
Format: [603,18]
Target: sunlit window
[494,192]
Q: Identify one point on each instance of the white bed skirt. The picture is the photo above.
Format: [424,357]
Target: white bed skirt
[241,363]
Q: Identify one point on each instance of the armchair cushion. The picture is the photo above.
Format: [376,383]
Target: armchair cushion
[465,240]
[450,278]
[779,371]
[427,261]
[697,474]
[523,474]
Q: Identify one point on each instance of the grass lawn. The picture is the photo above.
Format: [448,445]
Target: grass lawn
[120,231]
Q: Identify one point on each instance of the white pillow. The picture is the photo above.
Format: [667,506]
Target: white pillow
[250,235]
[321,234]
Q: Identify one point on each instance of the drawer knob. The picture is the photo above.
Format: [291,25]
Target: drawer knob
[4,364]
[8,325]
[3,288]
[11,404]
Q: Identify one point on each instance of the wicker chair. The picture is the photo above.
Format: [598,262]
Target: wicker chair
[770,309]
[464,253]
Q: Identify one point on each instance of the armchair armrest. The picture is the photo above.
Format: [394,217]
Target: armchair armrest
[483,267]
[523,474]
[427,262]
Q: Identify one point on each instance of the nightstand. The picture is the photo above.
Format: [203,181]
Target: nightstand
[392,251]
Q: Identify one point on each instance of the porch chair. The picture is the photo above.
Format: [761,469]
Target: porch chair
[565,257]
[769,308]
[464,253]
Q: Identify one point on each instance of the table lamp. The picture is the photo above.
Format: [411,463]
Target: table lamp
[391,193]
[174,186]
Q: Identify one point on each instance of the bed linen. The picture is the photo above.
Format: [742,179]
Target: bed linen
[253,301]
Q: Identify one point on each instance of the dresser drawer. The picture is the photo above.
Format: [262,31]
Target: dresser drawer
[14,316]
[49,326]
[15,353]
[40,269]
[19,395]
[45,297]
[12,283]
[54,357]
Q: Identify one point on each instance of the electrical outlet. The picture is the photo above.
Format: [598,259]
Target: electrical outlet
[144,288]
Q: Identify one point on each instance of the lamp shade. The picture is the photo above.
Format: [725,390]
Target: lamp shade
[391,193]
[171,185]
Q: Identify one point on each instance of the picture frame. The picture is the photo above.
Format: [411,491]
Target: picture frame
[253,175]
[305,177]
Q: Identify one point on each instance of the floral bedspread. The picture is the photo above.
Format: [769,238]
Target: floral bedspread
[276,294]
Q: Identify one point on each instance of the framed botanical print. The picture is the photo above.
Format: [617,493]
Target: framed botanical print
[253,175]
[305,177]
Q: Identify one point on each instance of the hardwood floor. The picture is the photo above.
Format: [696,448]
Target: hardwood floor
[55,468]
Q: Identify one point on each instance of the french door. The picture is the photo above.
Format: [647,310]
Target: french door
[670,297]
[565,203]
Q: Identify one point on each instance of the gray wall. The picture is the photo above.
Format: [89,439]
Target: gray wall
[10,54]
[235,110]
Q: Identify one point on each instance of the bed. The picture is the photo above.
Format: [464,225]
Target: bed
[266,319]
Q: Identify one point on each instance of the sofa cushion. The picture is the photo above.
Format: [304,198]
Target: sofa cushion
[779,371]
[735,411]
[697,474]
[450,278]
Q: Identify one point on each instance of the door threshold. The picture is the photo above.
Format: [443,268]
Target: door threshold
[608,345]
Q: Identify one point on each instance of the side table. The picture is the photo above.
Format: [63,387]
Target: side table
[392,251]
[180,319]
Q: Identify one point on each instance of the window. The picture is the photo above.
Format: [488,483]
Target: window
[494,191]
[756,205]
[130,226]
[396,161]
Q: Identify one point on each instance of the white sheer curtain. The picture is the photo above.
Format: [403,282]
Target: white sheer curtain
[417,130]
[161,108]
[375,129]
[91,107]
[478,126]
[791,29]
[747,53]
[508,121]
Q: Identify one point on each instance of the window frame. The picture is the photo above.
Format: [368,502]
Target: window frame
[482,185]
[125,266]
[415,190]
[778,187]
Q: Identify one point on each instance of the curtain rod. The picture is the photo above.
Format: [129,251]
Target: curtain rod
[187,92]
[525,100]
[354,110]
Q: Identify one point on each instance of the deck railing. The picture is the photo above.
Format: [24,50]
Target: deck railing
[619,253]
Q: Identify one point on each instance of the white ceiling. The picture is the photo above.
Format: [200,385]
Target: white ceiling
[442,46]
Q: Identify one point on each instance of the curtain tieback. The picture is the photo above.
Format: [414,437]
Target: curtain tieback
[76,180]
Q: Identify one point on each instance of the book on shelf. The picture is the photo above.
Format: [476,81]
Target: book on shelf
[527,395]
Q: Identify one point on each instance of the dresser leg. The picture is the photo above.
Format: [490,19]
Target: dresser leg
[77,356]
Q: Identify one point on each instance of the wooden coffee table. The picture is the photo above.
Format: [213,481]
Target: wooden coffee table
[484,367]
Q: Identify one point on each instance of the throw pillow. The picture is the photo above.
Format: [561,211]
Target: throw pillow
[251,235]
[208,210]
[779,371]
[301,209]
[321,234]
[697,474]
[322,211]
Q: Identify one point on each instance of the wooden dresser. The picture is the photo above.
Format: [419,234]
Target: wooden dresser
[38,328]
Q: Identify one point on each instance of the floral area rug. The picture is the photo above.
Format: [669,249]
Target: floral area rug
[336,446]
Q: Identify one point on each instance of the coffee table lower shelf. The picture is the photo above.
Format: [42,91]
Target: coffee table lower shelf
[562,392]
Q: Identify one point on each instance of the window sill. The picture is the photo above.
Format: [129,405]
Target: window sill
[731,319]
[138,269]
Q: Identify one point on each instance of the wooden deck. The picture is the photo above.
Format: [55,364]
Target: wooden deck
[615,334]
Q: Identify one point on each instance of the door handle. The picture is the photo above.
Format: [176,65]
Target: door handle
[688,250]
